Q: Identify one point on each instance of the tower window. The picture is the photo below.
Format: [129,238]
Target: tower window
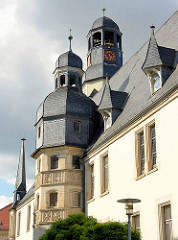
[76,162]
[89,43]
[97,39]
[62,80]
[54,162]
[109,38]
[37,202]
[39,132]
[53,200]
[77,126]
[76,199]
[56,83]
[72,80]
[118,41]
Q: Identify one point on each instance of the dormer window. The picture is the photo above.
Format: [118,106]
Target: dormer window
[154,75]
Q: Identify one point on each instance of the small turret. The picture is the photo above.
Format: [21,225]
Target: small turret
[20,184]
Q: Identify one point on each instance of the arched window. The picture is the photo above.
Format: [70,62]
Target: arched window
[109,38]
[53,200]
[54,162]
[97,39]
[62,80]
[72,80]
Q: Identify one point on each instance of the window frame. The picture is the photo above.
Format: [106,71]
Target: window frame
[28,217]
[103,189]
[56,200]
[18,223]
[138,152]
[52,158]
[161,214]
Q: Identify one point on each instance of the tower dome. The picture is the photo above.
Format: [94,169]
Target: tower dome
[69,59]
[104,22]
[66,117]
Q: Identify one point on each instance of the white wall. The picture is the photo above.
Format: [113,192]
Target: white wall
[24,234]
[153,189]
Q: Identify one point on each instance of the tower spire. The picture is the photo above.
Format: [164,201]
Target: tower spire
[70,41]
[20,184]
[103,9]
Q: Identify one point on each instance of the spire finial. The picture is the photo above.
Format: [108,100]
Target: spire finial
[103,9]
[70,41]
[152,28]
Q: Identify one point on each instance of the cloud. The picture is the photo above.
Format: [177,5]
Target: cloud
[4,200]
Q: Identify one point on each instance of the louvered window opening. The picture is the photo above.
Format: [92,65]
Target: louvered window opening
[105,173]
[153,146]
[54,162]
[92,181]
[53,199]
[142,153]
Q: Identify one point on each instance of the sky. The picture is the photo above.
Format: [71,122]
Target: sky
[33,33]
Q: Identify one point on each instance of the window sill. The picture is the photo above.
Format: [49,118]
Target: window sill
[105,193]
[90,200]
[153,170]
[140,177]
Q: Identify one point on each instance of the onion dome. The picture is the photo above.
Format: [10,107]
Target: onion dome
[104,22]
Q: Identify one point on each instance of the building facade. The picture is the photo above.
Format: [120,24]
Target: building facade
[105,134]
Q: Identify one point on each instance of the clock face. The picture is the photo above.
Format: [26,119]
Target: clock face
[109,55]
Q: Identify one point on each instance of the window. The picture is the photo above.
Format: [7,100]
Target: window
[76,199]
[89,44]
[166,222]
[37,202]
[76,162]
[92,180]
[54,162]
[28,217]
[62,80]
[97,39]
[140,153]
[153,146]
[72,81]
[77,126]
[109,38]
[39,165]
[136,221]
[118,41]
[56,83]
[105,173]
[39,132]
[18,223]
[53,200]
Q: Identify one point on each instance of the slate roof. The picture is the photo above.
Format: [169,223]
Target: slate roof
[111,99]
[158,55]
[131,79]
[30,193]
[69,59]
[66,100]
[104,22]
[20,184]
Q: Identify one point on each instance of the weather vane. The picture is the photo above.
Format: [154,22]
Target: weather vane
[70,41]
[103,9]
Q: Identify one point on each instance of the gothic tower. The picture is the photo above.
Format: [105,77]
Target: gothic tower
[104,53]
[65,124]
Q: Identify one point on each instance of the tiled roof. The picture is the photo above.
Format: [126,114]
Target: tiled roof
[131,79]
[4,217]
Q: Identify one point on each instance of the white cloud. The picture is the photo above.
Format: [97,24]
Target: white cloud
[4,200]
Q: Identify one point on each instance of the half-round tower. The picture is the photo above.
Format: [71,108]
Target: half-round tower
[104,54]
[66,122]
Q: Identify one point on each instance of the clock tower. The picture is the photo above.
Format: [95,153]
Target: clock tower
[104,54]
